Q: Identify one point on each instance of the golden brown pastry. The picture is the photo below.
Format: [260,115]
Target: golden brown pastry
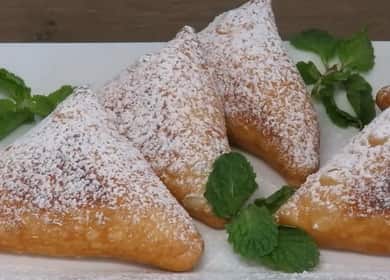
[346,205]
[166,105]
[73,187]
[268,111]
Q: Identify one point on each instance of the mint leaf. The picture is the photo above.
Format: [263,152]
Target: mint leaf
[12,120]
[4,73]
[13,86]
[60,94]
[296,251]
[6,106]
[359,94]
[277,199]
[335,77]
[316,41]
[309,72]
[40,105]
[357,53]
[230,184]
[22,107]
[338,116]
[253,232]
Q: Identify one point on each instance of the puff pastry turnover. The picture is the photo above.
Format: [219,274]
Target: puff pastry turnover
[268,111]
[73,187]
[166,105]
[346,205]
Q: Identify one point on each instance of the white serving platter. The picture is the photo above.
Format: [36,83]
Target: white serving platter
[47,66]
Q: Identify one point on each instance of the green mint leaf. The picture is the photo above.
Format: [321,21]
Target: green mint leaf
[316,41]
[13,120]
[277,199]
[40,105]
[253,233]
[23,107]
[357,53]
[338,116]
[335,77]
[230,184]
[12,77]
[13,86]
[6,106]
[60,94]
[309,72]
[296,252]
[359,94]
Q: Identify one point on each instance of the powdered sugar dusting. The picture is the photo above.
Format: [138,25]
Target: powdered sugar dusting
[167,106]
[74,160]
[356,180]
[260,83]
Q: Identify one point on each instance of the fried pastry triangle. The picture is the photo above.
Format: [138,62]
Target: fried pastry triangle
[73,187]
[346,205]
[268,111]
[166,105]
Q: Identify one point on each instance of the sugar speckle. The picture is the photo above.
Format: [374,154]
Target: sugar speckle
[166,105]
[357,180]
[74,159]
[260,83]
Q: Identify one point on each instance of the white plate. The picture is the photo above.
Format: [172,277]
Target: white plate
[47,66]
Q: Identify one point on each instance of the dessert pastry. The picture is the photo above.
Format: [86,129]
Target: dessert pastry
[268,111]
[166,105]
[73,187]
[346,205]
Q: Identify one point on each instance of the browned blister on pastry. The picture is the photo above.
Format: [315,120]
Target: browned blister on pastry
[73,187]
[166,105]
[268,111]
[346,205]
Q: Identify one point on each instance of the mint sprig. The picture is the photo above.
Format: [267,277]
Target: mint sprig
[255,235]
[20,107]
[253,231]
[230,184]
[355,55]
